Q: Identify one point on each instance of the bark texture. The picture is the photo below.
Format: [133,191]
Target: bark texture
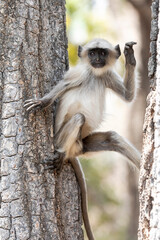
[150,168]
[34,203]
[137,111]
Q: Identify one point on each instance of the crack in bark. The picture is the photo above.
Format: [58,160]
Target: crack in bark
[61,228]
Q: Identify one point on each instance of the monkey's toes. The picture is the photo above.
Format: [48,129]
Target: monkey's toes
[54,163]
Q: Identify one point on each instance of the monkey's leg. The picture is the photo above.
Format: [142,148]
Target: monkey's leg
[111,141]
[68,143]
[68,138]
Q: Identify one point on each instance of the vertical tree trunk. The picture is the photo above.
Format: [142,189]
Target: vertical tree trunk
[149,219]
[35,203]
[137,111]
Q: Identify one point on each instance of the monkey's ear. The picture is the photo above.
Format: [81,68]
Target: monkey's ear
[79,51]
[117,48]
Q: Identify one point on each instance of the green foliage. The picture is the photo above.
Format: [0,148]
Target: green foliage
[83,25]
[73,6]
[100,193]
[72,53]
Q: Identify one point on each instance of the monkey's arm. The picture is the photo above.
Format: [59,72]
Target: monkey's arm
[49,98]
[68,83]
[127,88]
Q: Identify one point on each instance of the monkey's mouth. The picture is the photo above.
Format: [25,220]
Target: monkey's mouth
[98,65]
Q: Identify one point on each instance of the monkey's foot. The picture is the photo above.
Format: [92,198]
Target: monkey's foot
[55,163]
[129,53]
[32,103]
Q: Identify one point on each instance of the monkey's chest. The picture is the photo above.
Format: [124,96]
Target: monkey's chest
[89,102]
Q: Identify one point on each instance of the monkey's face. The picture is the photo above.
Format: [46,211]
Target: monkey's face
[98,57]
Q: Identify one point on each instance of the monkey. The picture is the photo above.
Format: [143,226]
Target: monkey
[81,107]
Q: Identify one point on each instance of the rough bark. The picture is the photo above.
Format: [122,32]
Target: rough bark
[149,174]
[34,203]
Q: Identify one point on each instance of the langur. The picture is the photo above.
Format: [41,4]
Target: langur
[82,104]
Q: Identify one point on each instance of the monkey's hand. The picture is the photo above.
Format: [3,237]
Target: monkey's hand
[32,103]
[129,53]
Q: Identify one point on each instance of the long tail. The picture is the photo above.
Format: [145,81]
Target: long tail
[84,201]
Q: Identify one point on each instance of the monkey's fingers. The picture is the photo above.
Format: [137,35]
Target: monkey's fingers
[31,103]
[31,100]
[28,100]
[130,44]
[129,53]
[128,49]
[32,106]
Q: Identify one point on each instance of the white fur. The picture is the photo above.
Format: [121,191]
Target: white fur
[88,100]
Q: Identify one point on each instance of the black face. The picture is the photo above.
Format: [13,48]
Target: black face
[98,57]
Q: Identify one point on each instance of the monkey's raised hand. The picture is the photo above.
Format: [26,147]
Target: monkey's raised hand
[129,53]
[32,103]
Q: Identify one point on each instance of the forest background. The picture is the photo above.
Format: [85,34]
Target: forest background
[112,183]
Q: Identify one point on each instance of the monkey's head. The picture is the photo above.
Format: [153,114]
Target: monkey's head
[100,54]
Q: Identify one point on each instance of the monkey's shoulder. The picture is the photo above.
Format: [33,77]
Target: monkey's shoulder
[74,73]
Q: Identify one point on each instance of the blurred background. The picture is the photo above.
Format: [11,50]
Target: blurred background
[112,182]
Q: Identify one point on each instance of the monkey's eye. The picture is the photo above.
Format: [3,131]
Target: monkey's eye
[91,53]
[103,53]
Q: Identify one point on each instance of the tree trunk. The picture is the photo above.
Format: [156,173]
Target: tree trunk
[149,185]
[137,111]
[34,203]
